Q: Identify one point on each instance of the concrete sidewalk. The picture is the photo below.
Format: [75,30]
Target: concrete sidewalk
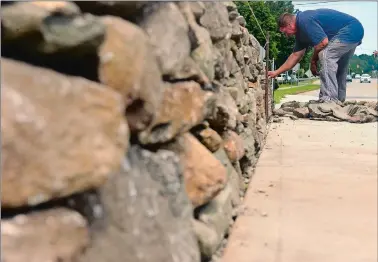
[313,197]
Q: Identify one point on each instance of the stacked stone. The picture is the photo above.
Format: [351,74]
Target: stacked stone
[129,129]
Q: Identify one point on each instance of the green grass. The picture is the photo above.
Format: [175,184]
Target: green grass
[305,82]
[279,94]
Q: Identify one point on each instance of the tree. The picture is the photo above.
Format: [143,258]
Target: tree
[360,64]
[267,14]
[265,19]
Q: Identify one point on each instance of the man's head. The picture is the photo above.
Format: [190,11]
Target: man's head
[287,25]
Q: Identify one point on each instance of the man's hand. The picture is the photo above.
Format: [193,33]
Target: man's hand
[314,68]
[272,74]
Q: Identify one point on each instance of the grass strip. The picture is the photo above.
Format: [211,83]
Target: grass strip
[279,94]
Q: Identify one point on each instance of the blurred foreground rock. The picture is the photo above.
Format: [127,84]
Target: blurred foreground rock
[129,129]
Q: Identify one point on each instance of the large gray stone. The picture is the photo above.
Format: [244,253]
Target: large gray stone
[224,113]
[207,237]
[128,10]
[251,140]
[241,20]
[236,93]
[236,32]
[231,6]
[146,213]
[216,20]
[201,44]
[217,214]
[168,32]
[188,70]
[234,179]
[41,31]
[248,104]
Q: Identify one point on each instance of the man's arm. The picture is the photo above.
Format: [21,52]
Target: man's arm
[315,57]
[291,61]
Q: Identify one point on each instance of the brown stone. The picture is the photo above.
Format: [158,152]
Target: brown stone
[209,138]
[54,235]
[204,175]
[233,145]
[184,105]
[128,66]
[60,134]
[253,85]
[302,112]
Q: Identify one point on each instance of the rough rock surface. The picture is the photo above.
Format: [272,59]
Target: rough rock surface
[208,239]
[140,81]
[50,27]
[235,179]
[168,32]
[215,20]
[218,215]
[184,105]
[209,138]
[60,135]
[53,235]
[185,78]
[204,175]
[224,113]
[146,209]
[233,145]
[350,111]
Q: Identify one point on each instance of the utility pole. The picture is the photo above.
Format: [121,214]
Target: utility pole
[266,79]
[272,69]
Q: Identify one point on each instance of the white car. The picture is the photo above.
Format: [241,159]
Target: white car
[365,78]
[357,76]
[281,78]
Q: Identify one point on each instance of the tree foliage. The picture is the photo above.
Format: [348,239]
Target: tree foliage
[360,64]
[267,14]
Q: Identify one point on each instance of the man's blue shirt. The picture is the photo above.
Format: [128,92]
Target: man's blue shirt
[315,25]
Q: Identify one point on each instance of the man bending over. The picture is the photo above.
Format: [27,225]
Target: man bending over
[334,36]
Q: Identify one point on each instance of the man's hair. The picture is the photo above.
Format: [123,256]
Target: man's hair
[285,19]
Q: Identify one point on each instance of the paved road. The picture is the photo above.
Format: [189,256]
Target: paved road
[313,197]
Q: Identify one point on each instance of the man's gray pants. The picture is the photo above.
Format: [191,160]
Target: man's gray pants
[334,60]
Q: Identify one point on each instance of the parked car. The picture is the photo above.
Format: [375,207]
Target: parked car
[365,78]
[349,78]
[357,76]
[281,78]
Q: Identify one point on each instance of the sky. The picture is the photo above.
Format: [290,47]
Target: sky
[365,11]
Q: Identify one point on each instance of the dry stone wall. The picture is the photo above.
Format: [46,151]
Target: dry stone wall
[129,129]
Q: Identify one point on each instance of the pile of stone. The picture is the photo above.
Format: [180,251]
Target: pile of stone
[349,111]
[129,129]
